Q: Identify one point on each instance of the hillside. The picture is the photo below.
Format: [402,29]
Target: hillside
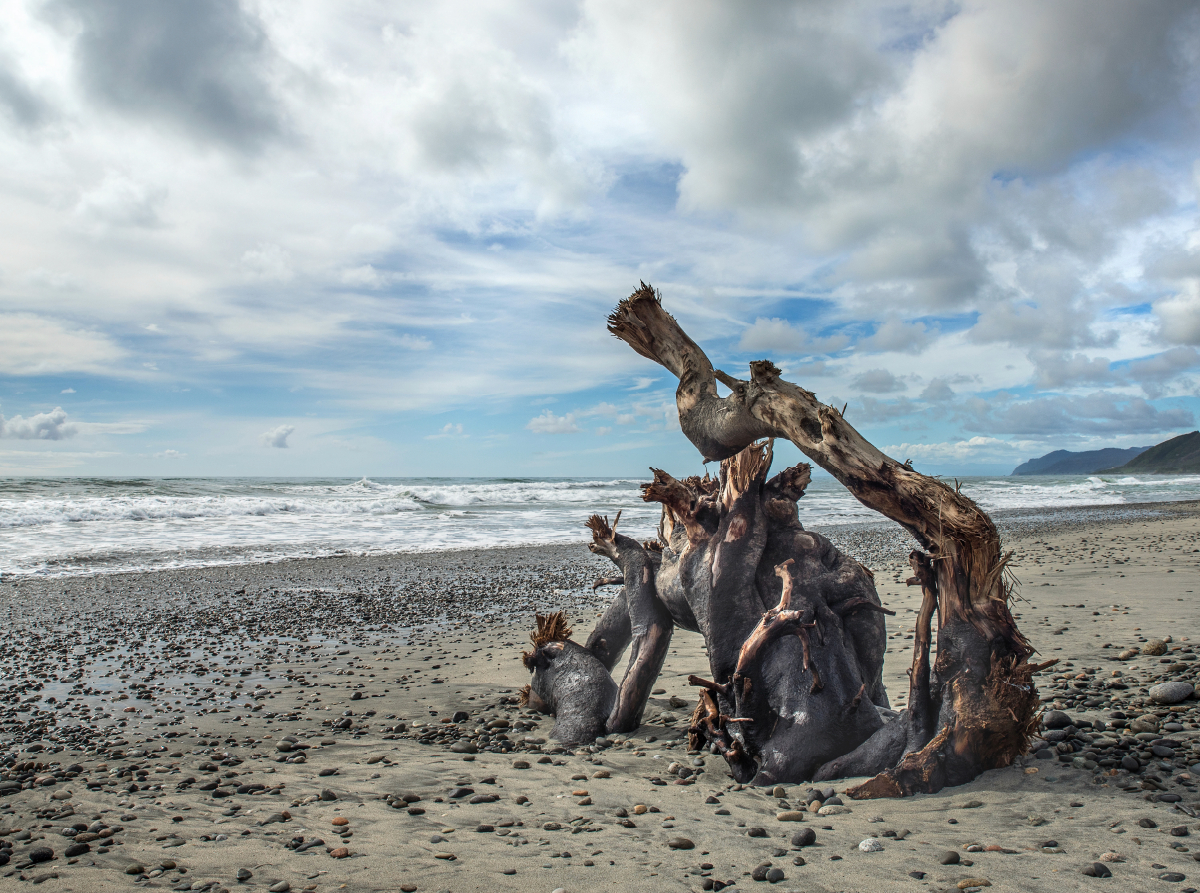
[1179,455]
[1085,462]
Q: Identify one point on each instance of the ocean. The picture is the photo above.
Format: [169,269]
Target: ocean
[71,526]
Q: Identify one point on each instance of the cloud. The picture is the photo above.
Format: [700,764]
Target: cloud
[277,437]
[18,101]
[549,423]
[937,391]
[896,335]
[53,425]
[969,449]
[35,345]
[448,430]
[199,66]
[1180,315]
[121,201]
[1153,373]
[781,337]
[874,410]
[1102,413]
[67,391]
[1056,369]
[269,262]
[170,454]
[415,342]
[878,381]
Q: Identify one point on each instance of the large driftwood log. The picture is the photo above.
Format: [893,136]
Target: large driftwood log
[976,707]
[794,629]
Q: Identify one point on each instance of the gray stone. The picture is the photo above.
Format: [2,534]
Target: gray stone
[1170,692]
[950,857]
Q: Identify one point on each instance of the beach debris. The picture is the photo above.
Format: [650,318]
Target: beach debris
[732,560]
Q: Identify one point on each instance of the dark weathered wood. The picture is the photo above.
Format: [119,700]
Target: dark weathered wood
[975,709]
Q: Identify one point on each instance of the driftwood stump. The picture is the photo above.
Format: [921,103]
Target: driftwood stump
[795,629]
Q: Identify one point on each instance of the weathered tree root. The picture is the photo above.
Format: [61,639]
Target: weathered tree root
[794,629]
[975,708]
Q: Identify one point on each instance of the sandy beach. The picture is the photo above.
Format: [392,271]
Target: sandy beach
[352,724]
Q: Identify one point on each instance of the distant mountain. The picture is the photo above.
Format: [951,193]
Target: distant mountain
[1086,462]
[1179,455]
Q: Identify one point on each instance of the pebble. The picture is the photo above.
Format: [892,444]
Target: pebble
[968,882]
[1170,692]
[871,845]
[680,843]
[1173,877]
[1096,869]
[280,887]
[342,852]
[791,815]
[134,868]
[950,857]
[244,874]
[804,837]
[41,854]
[340,820]
[833,810]
[1155,647]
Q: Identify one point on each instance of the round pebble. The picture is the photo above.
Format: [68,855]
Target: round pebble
[950,857]
[804,837]
[871,845]
[680,843]
[280,887]
[1170,692]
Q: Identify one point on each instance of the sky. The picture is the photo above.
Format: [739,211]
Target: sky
[381,238]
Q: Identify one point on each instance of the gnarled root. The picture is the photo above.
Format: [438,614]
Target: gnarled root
[710,728]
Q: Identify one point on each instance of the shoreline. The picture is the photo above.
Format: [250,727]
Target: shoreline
[872,535]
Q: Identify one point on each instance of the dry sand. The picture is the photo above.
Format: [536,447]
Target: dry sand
[169,682]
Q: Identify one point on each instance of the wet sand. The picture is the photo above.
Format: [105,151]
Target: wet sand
[208,722]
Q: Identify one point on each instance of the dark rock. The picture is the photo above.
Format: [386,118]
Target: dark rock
[1147,823]
[40,854]
[804,837]
[950,857]
[756,832]
[1096,869]
[1172,876]
[775,875]
[680,843]
[1056,719]
[77,849]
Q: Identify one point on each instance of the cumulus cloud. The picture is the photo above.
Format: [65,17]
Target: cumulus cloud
[897,335]
[1055,369]
[782,337]
[937,391]
[277,437]
[878,381]
[1180,315]
[202,67]
[170,454]
[549,423]
[53,425]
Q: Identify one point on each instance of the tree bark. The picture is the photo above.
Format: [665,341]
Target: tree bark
[976,707]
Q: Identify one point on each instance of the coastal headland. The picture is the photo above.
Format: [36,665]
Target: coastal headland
[352,723]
